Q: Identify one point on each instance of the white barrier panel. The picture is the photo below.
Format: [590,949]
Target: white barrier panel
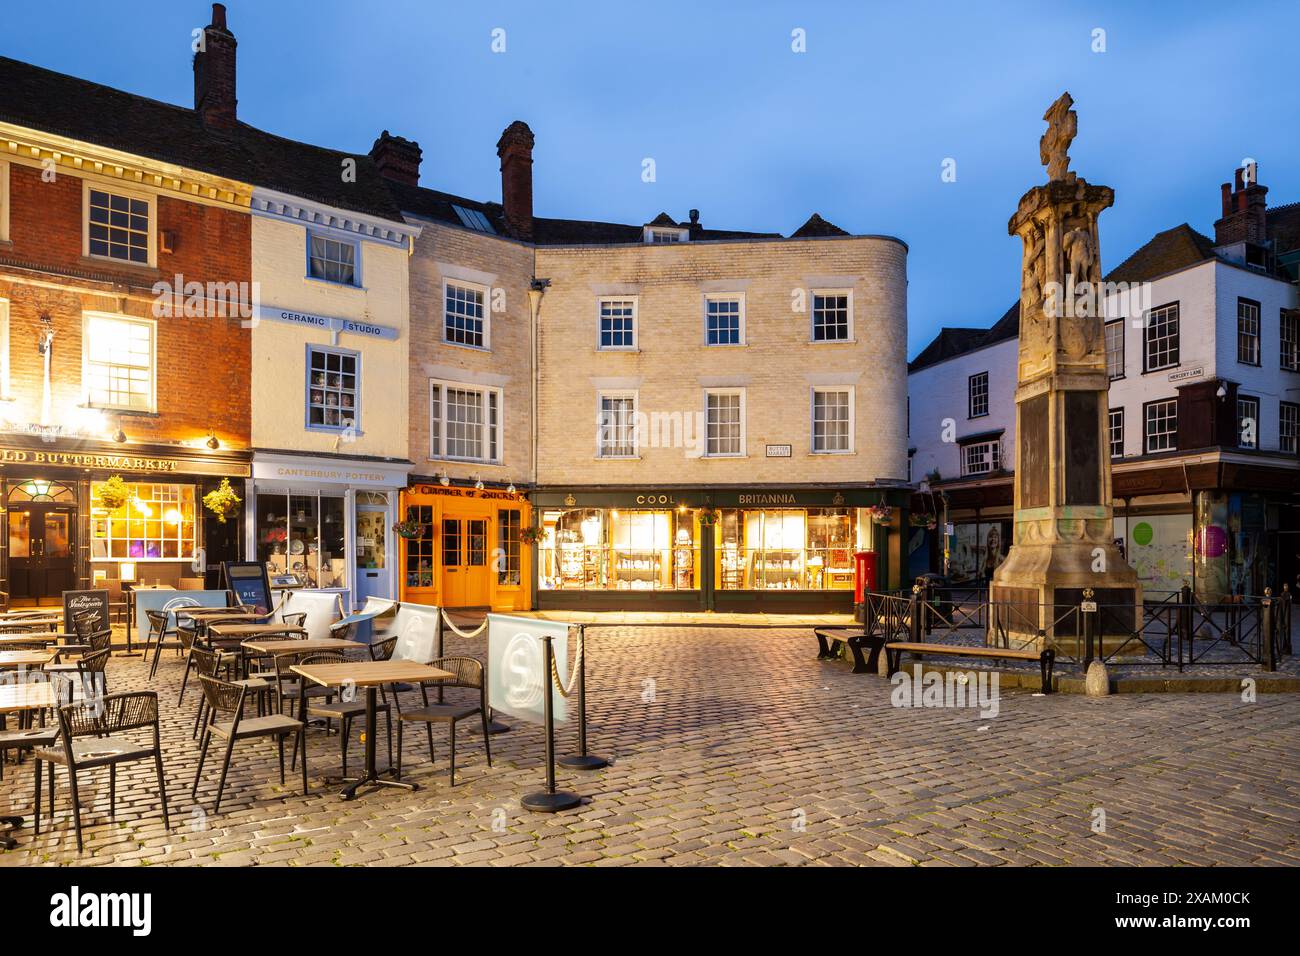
[416,628]
[322,608]
[517,678]
[150,599]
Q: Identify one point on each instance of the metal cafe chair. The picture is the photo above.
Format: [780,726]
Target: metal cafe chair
[95,733]
[162,636]
[226,698]
[211,663]
[97,643]
[468,673]
[90,670]
[344,711]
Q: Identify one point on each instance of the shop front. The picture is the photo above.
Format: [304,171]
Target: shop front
[463,547]
[325,523]
[782,550]
[84,514]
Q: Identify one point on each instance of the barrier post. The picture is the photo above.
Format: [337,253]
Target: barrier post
[582,760]
[549,800]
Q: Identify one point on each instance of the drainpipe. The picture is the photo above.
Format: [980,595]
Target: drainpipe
[536,290]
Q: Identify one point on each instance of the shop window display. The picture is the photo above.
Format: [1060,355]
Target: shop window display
[786,549]
[156,523]
[304,534]
[609,549]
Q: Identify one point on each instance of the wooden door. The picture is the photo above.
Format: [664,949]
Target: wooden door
[42,550]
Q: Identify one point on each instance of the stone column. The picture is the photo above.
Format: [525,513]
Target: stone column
[1064,529]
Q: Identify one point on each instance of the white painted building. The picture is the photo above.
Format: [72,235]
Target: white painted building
[1205,413]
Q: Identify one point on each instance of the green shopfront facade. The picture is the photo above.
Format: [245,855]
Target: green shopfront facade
[666,548]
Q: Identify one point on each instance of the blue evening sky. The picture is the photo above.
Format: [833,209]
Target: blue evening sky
[754,135]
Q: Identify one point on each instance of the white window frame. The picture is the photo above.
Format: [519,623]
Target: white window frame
[603,394]
[724,297]
[636,323]
[113,189]
[1147,328]
[1251,333]
[739,392]
[994,457]
[438,443]
[652,235]
[1110,431]
[1250,401]
[1146,430]
[486,293]
[86,319]
[4,205]
[812,419]
[1109,328]
[849,336]
[1291,410]
[1289,344]
[342,239]
[354,421]
[970,395]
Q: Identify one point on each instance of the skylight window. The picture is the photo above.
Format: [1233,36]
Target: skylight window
[473,219]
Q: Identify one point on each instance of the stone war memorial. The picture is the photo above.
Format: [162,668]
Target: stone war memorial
[1064,540]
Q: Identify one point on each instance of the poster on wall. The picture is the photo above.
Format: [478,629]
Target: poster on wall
[977,551]
[918,552]
[1211,553]
[1159,548]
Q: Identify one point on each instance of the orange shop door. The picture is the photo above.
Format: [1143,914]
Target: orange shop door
[465,562]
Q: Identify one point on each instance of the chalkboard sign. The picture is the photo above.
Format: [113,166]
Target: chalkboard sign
[248,580]
[74,602]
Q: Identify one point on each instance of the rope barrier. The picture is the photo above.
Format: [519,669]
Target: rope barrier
[573,671]
[471,634]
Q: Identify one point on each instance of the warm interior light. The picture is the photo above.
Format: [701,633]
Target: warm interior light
[126,571]
[142,507]
[173,516]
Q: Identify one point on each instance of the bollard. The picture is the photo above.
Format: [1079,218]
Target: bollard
[1088,618]
[1266,630]
[914,616]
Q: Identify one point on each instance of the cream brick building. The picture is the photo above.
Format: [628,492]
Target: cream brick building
[716,411]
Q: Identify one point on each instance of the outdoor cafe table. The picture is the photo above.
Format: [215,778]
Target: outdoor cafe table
[25,698]
[370,675]
[313,645]
[49,637]
[31,622]
[15,660]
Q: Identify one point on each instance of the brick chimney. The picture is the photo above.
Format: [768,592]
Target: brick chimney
[398,159]
[516,151]
[1244,213]
[214,73]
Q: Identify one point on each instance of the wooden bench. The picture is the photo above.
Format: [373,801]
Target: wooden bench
[895,649]
[855,639]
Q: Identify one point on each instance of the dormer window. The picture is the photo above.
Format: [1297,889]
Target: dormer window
[657,234]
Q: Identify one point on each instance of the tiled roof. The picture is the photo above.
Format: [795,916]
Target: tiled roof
[817,227]
[79,109]
[432,204]
[1165,252]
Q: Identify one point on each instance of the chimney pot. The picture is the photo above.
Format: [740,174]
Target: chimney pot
[1245,212]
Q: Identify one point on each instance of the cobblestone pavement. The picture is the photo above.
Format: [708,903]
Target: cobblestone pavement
[738,747]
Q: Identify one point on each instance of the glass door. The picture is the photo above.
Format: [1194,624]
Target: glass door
[372,551]
[41,552]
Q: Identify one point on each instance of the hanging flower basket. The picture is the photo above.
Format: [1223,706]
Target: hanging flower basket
[927,521]
[408,529]
[881,514]
[223,502]
[533,535]
[708,517]
[114,493]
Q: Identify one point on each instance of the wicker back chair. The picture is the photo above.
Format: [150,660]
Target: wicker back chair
[90,738]
[227,698]
[467,672]
[30,738]
[296,619]
[168,637]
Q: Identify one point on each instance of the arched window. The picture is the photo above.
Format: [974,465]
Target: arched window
[36,489]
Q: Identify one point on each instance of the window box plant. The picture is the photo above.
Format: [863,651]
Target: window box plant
[223,502]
